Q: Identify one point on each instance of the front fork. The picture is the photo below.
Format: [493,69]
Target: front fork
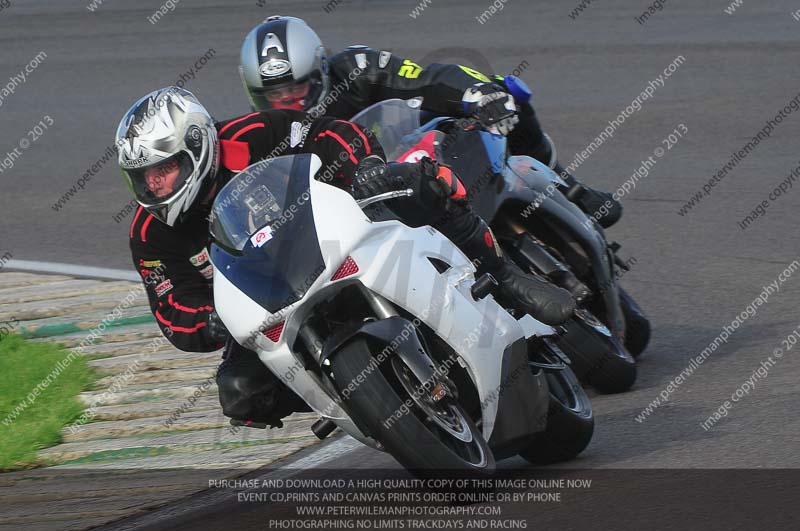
[313,342]
[417,358]
[380,305]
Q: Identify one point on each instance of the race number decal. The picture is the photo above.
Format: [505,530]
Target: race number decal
[409,70]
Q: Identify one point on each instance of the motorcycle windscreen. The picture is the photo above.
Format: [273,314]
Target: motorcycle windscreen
[391,121]
[263,235]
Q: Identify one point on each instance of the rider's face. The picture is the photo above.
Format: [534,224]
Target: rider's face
[161,178]
[289,97]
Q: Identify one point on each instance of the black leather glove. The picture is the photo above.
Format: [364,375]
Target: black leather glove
[492,106]
[372,177]
[216,329]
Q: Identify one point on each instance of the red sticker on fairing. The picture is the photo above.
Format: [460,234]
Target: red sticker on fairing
[423,148]
[261,237]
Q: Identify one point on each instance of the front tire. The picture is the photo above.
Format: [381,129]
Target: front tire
[570,421]
[414,439]
[637,325]
[597,357]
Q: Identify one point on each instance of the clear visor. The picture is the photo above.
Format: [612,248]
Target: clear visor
[289,94]
[299,96]
[159,182]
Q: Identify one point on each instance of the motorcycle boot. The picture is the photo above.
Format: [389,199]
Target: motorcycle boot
[599,205]
[544,301]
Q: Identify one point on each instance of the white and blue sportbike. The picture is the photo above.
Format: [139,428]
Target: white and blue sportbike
[384,330]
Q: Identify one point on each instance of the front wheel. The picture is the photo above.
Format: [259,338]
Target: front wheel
[570,421]
[426,436]
[637,325]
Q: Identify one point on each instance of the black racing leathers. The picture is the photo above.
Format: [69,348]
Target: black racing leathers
[361,76]
[174,261]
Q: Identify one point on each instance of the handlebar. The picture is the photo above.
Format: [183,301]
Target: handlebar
[363,203]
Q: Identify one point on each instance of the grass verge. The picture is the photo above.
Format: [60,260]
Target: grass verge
[39,383]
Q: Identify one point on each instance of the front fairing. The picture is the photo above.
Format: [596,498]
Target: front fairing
[478,158]
[264,240]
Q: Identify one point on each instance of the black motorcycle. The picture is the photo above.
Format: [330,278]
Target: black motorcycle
[537,226]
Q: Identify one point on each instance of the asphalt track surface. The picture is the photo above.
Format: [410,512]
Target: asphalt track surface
[693,273]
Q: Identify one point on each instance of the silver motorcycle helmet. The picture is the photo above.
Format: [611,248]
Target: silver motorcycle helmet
[168,152]
[283,65]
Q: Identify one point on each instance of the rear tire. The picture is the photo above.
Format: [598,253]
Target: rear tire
[597,358]
[422,447]
[570,422]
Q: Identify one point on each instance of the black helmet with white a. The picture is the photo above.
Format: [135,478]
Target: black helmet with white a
[283,65]
[168,152]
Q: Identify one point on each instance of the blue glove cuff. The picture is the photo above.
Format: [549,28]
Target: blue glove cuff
[518,88]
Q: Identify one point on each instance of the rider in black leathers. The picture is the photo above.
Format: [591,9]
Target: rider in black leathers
[295,73]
